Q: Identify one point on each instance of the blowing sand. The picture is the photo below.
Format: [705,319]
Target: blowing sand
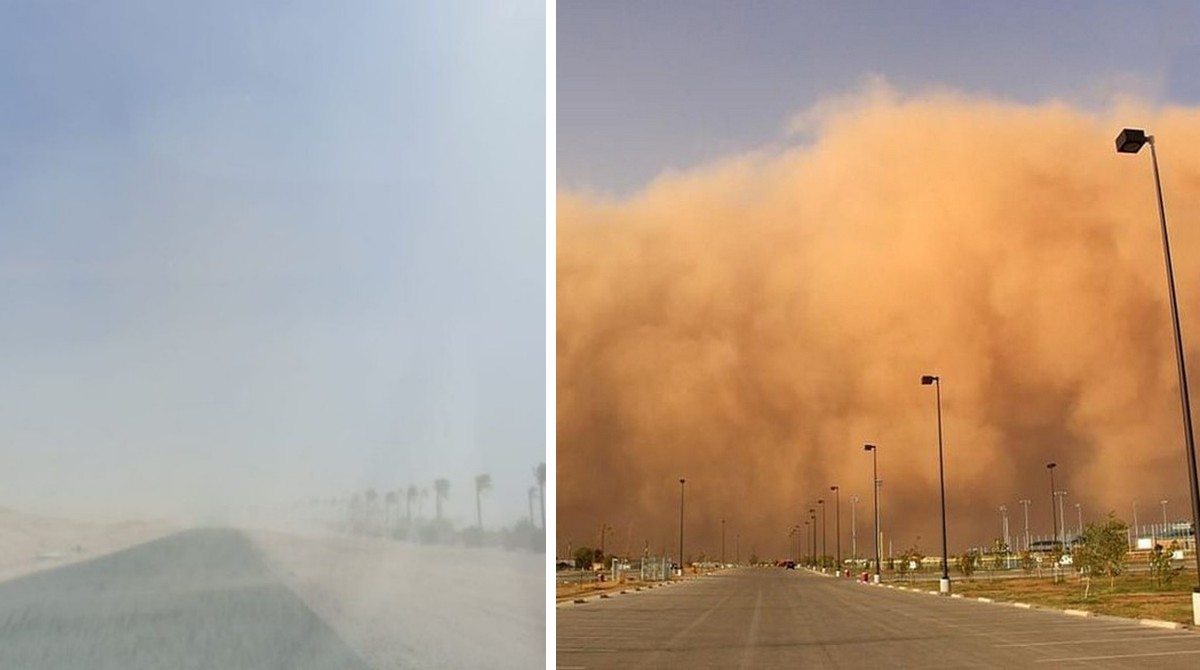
[29,542]
[407,606]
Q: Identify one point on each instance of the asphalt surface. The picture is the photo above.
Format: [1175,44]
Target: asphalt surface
[196,599]
[774,618]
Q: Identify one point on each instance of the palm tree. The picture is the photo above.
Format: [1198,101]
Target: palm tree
[441,490]
[540,473]
[412,495]
[388,501]
[421,502]
[482,483]
[532,490]
[372,496]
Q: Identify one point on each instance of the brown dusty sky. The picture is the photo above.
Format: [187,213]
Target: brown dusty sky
[751,323]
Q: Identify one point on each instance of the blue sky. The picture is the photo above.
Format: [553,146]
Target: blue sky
[264,250]
[648,86]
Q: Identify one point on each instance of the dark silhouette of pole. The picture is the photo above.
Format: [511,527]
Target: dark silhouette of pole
[1130,141]
[1053,512]
[812,516]
[837,524]
[681,483]
[875,485]
[722,543]
[824,527]
[937,384]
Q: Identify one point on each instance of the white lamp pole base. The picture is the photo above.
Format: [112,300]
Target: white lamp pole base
[944,586]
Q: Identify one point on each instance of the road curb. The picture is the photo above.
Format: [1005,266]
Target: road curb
[1152,623]
[1156,623]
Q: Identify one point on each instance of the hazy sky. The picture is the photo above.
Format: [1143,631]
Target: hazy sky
[646,86]
[287,249]
[774,217]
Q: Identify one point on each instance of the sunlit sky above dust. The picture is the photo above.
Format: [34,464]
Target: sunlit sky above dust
[262,251]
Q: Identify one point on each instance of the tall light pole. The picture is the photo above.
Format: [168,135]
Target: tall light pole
[837,525]
[1053,499]
[1004,525]
[1135,523]
[854,527]
[737,548]
[1130,141]
[722,543]
[796,532]
[1079,511]
[812,516]
[824,527]
[1164,504]
[875,485]
[944,584]
[1025,502]
[1062,518]
[682,481]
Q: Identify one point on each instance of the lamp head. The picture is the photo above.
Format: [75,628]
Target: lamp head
[1130,140]
[926,380]
[1051,466]
[868,447]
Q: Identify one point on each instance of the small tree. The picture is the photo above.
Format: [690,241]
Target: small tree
[910,560]
[1161,569]
[586,556]
[1102,549]
[967,563]
[1028,562]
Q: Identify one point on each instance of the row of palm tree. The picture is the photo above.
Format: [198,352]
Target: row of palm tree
[361,510]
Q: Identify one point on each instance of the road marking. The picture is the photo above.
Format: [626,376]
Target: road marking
[1099,641]
[1108,658]
[589,650]
[752,637]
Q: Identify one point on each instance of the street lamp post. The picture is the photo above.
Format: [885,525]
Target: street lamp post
[1004,524]
[944,584]
[875,485]
[812,516]
[737,548]
[722,543]
[1062,518]
[1135,523]
[1130,141]
[1053,518]
[682,481]
[824,527]
[1164,505]
[1025,502]
[837,525]
[1079,511]
[854,528]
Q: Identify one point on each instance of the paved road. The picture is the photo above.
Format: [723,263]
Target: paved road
[772,618]
[197,599]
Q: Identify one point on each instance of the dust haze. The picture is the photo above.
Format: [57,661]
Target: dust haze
[751,323]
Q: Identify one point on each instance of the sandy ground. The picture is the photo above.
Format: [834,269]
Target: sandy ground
[406,606]
[30,542]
